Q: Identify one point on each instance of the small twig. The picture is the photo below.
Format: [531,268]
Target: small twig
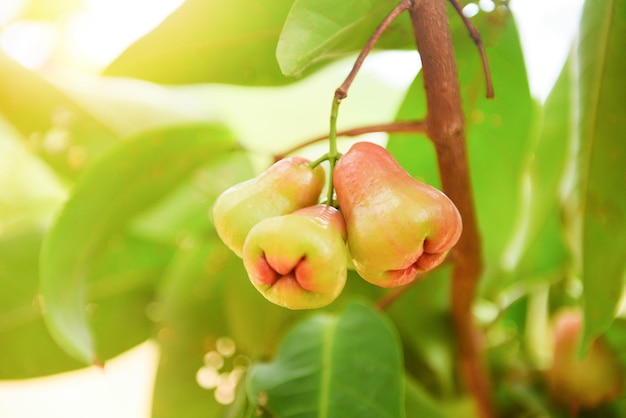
[475,35]
[384,302]
[415,126]
[342,91]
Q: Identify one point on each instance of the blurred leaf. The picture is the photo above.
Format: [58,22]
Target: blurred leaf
[56,129]
[536,246]
[129,106]
[602,159]
[537,250]
[210,42]
[498,132]
[122,286]
[336,366]
[422,318]
[206,295]
[125,181]
[187,209]
[616,337]
[49,9]
[191,306]
[29,190]
[26,347]
[315,30]
[546,257]
[419,403]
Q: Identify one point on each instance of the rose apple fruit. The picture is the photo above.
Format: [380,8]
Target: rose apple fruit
[298,261]
[586,382]
[288,185]
[397,226]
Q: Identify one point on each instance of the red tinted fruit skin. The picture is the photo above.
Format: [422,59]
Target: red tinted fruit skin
[285,187]
[298,261]
[397,226]
[587,382]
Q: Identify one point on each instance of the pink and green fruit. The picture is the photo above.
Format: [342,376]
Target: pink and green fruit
[288,185]
[397,226]
[298,261]
[595,379]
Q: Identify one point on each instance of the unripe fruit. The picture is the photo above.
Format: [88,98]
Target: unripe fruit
[586,382]
[299,260]
[397,226]
[285,187]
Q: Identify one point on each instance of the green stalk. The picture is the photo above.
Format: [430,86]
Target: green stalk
[333,155]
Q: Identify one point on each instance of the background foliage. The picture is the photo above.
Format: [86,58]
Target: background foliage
[106,241]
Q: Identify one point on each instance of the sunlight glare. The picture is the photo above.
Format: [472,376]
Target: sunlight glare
[84,39]
[105,28]
[9,10]
[29,43]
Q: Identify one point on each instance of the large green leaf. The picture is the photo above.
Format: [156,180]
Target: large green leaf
[191,320]
[602,158]
[315,30]
[346,365]
[132,176]
[538,244]
[210,42]
[57,130]
[121,286]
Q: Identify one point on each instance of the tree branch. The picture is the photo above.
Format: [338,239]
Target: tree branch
[445,126]
[475,35]
[415,126]
[342,91]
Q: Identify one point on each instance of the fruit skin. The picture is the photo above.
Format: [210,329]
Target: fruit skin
[298,261]
[288,185]
[397,226]
[586,382]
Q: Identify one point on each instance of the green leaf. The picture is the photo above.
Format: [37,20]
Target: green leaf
[26,348]
[59,131]
[320,29]
[210,42]
[602,159]
[185,210]
[190,309]
[423,321]
[537,249]
[121,286]
[206,296]
[419,403]
[347,365]
[127,180]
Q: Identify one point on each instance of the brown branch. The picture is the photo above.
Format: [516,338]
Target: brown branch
[446,128]
[342,91]
[415,126]
[475,35]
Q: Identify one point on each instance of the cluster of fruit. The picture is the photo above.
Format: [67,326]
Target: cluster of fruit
[389,226]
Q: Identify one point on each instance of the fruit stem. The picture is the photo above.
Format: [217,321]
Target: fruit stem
[319,161]
[333,155]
